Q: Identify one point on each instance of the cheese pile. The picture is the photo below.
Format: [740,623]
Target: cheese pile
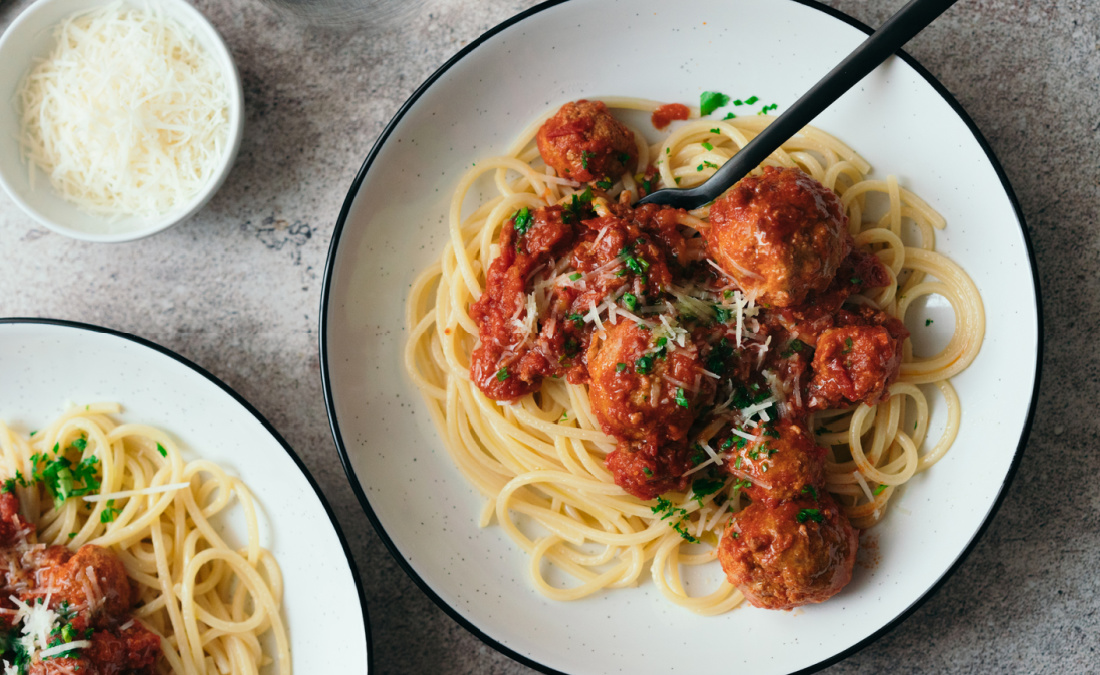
[128,115]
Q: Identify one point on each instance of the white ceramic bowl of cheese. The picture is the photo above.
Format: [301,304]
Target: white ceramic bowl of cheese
[29,39]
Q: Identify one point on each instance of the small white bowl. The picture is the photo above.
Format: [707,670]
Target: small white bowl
[30,37]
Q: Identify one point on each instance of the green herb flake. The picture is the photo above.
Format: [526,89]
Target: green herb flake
[620,367]
[161,450]
[521,220]
[729,116]
[847,345]
[681,399]
[575,276]
[630,301]
[646,470]
[811,490]
[750,100]
[717,131]
[585,156]
[577,319]
[880,489]
[928,322]
[604,184]
[707,145]
[109,514]
[710,101]
[502,374]
[810,514]
[644,365]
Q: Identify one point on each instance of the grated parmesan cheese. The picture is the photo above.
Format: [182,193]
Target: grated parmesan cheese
[128,115]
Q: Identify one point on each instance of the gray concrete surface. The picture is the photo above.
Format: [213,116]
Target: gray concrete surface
[237,290]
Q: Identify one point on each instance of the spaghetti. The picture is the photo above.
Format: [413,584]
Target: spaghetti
[210,604]
[543,456]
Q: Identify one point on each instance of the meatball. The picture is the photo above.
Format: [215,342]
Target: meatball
[853,364]
[630,388]
[91,578]
[502,365]
[781,234]
[584,142]
[781,556]
[784,464]
[647,470]
[134,650]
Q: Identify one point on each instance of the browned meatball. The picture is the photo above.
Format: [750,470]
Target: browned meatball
[630,391]
[584,142]
[92,577]
[855,363]
[647,470]
[133,651]
[781,234]
[780,468]
[781,556]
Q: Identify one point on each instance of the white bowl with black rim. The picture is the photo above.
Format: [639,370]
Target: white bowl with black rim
[47,365]
[393,224]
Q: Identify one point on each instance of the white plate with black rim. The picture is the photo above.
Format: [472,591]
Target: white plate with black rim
[393,224]
[47,365]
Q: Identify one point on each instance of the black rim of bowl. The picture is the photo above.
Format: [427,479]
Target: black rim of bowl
[326,381]
[259,417]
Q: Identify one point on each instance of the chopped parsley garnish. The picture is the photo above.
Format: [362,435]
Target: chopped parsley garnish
[630,301]
[521,220]
[624,157]
[575,276]
[719,354]
[577,319]
[707,145]
[109,514]
[576,209]
[646,470]
[681,399]
[636,265]
[64,479]
[723,314]
[665,506]
[502,374]
[161,450]
[856,280]
[644,365]
[710,101]
[704,487]
[928,322]
[750,100]
[742,484]
[880,489]
[793,346]
[847,345]
[715,130]
[810,514]
[729,116]
[620,367]
[585,156]
[810,489]
[604,184]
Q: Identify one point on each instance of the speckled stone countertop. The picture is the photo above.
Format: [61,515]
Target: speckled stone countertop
[237,290]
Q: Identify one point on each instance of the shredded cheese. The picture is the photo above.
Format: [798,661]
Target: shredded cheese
[64,647]
[129,115]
